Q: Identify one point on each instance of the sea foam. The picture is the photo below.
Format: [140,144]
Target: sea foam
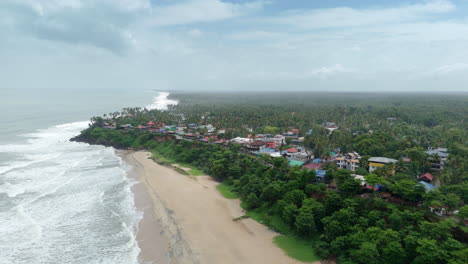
[65,202]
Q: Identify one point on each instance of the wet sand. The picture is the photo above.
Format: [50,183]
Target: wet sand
[197,222]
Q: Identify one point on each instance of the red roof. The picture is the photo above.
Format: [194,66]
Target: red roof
[313,166]
[150,123]
[294,131]
[427,175]
[292,150]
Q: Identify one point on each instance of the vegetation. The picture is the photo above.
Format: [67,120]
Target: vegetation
[315,219]
[297,248]
[226,191]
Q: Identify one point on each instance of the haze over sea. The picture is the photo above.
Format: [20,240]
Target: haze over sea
[61,201]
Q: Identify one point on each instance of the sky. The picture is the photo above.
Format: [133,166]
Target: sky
[235,45]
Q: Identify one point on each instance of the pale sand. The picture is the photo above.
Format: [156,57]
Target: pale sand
[198,221]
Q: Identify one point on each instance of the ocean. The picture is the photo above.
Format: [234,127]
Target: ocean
[61,201]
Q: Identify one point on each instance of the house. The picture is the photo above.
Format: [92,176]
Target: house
[379,162]
[350,161]
[278,139]
[240,140]
[255,146]
[295,163]
[360,178]
[320,175]
[426,177]
[126,126]
[297,154]
[438,158]
[330,126]
[298,141]
[313,166]
[292,150]
[441,210]
[222,131]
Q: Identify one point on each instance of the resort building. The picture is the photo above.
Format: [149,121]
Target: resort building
[379,162]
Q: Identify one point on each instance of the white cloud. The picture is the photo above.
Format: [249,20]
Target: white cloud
[194,11]
[100,23]
[324,72]
[451,68]
[349,17]
[195,33]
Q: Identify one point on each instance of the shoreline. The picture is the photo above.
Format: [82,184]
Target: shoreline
[158,236]
[196,221]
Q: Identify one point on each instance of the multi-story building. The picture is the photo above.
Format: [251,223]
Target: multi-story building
[438,158]
[350,161]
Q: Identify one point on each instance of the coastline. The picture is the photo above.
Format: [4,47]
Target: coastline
[197,221]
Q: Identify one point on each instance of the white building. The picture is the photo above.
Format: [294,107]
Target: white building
[438,158]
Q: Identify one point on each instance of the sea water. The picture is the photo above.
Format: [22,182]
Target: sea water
[62,201]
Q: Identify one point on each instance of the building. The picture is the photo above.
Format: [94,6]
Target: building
[295,163]
[426,177]
[240,140]
[255,146]
[379,162]
[438,158]
[313,166]
[427,186]
[330,126]
[297,154]
[350,161]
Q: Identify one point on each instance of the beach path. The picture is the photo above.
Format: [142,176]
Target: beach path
[204,219]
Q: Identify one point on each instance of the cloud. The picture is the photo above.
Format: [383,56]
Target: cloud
[100,23]
[196,11]
[451,68]
[324,72]
[349,17]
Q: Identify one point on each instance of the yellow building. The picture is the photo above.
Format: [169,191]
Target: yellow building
[379,162]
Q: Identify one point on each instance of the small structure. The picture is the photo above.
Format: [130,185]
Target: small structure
[313,166]
[427,186]
[330,126]
[360,178]
[320,175]
[440,210]
[295,163]
[426,177]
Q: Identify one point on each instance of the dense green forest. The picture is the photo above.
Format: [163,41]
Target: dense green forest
[345,222]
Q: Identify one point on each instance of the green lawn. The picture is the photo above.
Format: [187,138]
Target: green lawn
[226,191]
[166,161]
[297,248]
[273,221]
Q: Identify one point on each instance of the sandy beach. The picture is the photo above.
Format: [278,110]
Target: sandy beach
[196,221]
